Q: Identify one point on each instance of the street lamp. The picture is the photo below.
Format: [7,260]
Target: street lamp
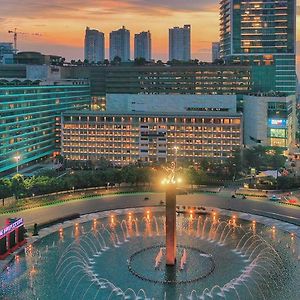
[234,165]
[17,159]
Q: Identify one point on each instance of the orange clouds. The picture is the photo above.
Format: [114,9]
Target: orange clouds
[62,22]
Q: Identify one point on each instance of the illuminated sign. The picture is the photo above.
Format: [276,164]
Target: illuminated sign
[11,227]
[278,122]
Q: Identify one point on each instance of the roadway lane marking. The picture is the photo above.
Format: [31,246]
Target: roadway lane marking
[275,214]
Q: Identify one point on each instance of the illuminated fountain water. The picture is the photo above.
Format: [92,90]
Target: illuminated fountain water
[122,255]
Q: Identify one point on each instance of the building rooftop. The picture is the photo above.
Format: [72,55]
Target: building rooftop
[151,114]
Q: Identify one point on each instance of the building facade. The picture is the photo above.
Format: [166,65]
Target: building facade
[94,45]
[125,138]
[261,33]
[30,120]
[270,121]
[198,80]
[180,43]
[215,51]
[119,44]
[171,103]
[142,45]
[6,53]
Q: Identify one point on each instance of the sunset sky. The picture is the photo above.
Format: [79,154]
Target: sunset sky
[62,23]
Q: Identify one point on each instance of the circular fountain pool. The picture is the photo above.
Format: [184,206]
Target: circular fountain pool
[121,255]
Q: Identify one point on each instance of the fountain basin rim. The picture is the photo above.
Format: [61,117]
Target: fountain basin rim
[192,280]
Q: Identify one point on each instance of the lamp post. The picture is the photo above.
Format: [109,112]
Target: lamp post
[17,159]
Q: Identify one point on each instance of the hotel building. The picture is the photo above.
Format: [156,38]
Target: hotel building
[31,116]
[261,33]
[198,126]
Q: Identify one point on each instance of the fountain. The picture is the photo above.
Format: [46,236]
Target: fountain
[122,255]
[158,254]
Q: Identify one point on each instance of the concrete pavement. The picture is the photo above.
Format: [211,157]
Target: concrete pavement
[220,200]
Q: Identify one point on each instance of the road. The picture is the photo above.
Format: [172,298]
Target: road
[220,200]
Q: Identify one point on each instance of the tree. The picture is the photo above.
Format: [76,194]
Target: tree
[18,186]
[194,61]
[5,189]
[191,176]
[129,175]
[117,60]
[140,61]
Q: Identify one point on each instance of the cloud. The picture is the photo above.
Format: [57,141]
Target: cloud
[58,9]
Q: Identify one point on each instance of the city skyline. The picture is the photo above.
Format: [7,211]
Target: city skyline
[62,27]
[71,17]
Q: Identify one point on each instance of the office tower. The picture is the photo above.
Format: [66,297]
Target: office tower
[215,51]
[180,43]
[94,49]
[142,45]
[120,44]
[261,33]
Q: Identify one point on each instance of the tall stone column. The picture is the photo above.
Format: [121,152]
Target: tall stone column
[171,224]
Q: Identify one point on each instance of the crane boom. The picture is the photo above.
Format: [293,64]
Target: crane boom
[15,33]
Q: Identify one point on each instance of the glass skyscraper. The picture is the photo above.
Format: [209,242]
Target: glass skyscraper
[261,33]
[30,120]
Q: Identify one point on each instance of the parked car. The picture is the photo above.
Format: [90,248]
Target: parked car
[146,198]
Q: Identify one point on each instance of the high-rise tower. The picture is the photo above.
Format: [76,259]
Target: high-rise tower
[142,45]
[94,50]
[120,44]
[215,51]
[180,43]
[261,33]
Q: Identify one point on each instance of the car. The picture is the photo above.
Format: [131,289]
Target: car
[292,201]
[275,198]
[146,198]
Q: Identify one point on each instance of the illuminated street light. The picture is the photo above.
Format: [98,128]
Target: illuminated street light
[17,158]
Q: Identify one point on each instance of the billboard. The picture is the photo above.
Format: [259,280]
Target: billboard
[277,123]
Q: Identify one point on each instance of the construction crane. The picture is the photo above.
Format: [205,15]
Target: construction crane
[16,33]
